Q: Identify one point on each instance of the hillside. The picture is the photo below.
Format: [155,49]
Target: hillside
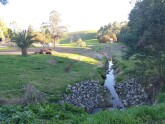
[84,35]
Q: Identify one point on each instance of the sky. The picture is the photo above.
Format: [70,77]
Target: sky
[77,14]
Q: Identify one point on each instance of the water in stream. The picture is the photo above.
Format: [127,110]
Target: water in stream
[109,83]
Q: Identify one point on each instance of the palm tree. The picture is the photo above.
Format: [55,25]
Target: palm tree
[23,40]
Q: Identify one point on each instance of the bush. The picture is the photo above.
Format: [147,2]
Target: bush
[37,113]
[104,39]
[161,98]
[81,43]
[33,95]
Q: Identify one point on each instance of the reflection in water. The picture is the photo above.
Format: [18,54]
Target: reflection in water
[109,83]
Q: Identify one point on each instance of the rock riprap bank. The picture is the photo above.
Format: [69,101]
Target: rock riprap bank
[133,94]
[89,94]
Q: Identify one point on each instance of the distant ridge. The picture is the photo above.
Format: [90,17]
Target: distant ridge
[84,31]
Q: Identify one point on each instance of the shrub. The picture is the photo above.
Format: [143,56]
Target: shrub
[161,98]
[104,39]
[33,95]
[81,43]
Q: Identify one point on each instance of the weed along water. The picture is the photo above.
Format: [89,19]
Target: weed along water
[109,83]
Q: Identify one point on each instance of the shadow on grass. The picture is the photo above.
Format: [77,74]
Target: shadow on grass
[50,78]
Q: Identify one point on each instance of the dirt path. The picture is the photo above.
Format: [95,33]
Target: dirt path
[89,52]
[58,49]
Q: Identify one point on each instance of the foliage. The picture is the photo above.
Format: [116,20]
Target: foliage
[137,115]
[54,113]
[104,39]
[161,98]
[45,30]
[33,114]
[15,27]
[110,30]
[40,37]
[30,29]
[81,43]
[3,29]
[56,28]
[54,19]
[145,35]
[23,40]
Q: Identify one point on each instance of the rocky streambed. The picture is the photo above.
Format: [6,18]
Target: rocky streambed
[88,94]
[93,96]
[133,94]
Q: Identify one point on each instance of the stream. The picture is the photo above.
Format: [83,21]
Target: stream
[109,83]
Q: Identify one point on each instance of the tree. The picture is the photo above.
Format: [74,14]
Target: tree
[30,28]
[111,30]
[45,30]
[23,40]
[125,36]
[40,37]
[3,30]
[56,28]
[15,26]
[147,29]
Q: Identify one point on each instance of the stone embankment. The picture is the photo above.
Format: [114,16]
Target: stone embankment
[89,94]
[133,94]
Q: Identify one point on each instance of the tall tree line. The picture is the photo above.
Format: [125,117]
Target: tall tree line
[145,36]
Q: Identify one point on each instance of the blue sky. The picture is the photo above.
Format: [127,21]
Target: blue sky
[78,14]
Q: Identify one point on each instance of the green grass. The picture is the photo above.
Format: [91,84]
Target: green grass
[137,115]
[161,98]
[89,43]
[84,35]
[36,70]
[67,114]
[50,78]
[6,48]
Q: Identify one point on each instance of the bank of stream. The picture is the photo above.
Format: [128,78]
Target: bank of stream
[93,96]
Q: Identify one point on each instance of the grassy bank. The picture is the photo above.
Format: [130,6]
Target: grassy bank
[84,35]
[50,73]
[137,115]
[66,114]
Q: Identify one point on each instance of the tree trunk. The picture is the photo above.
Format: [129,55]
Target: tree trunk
[24,51]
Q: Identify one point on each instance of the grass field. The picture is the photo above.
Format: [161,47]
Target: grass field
[46,72]
[52,73]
